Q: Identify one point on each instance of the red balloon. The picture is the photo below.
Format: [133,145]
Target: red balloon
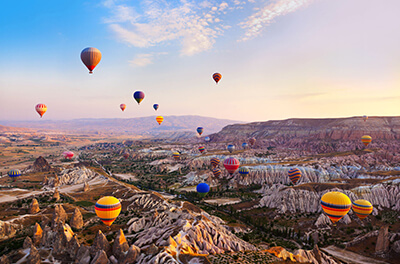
[231,165]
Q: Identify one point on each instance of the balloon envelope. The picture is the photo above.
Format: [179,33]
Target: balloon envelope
[244,171]
[14,173]
[214,162]
[207,139]
[41,109]
[365,118]
[335,205]
[139,96]
[252,141]
[366,140]
[231,165]
[122,106]
[176,155]
[200,130]
[126,155]
[362,208]
[230,148]
[294,175]
[90,57]
[202,188]
[107,209]
[216,172]
[245,145]
[217,77]
[68,154]
[155,106]
[159,119]
[201,149]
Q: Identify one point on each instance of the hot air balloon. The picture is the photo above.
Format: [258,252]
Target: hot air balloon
[207,139]
[245,145]
[159,119]
[41,109]
[294,175]
[68,154]
[217,77]
[335,205]
[365,118]
[91,57]
[201,149]
[214,162]
[176,155]
[362,208]
[126,155]
[230,148]
[139,96]
[14,173]
[252,141]
[155,106]
[231,165]
[216,172]
[244,171]
[200,130]
[366,140]
[202,189]
[122,106]
[107,209]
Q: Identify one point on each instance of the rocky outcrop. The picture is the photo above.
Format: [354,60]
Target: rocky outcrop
[8,229]
[283,254]
[76,175]
[56,195]
[86,187]
[82,255]
[4,260]
[44,221]
[34,207]
[27,242]
[37,235]
[34,256]
[396,246]
[59,215]
[382,242]
[100,258]
[40,165]
[76,219]
[100,243]
[130,256]
[120,246]
[316,256]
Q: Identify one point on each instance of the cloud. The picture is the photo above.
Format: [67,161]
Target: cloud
[145,59]
[266,15]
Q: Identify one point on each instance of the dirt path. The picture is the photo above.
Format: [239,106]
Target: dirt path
[350,257]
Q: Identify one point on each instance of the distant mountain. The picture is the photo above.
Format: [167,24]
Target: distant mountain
[13,129]
[351,128]
[176,126]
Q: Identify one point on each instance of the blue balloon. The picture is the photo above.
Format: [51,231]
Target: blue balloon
[155,106]
[207,139]
[203,188]
[231,148]
[245,145]
[200,130]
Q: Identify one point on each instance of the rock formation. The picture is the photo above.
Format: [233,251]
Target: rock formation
[76,219]
[56,195]
[45,180]
[83,255]
[40,165]
[86,187]
[27,242]
[59,215]
[34,207]
[8,229]
[76,175]
[4,260]
[37,234]
[120,246]
[382,242]
[100,243]
[44,221]
[34,257]
[100,258]
[396,246]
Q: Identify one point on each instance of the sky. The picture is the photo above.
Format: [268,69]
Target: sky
[278,59]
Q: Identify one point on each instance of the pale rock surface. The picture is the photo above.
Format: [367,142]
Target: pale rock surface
[76,175]
[120,246]
[34,257]
[130,256]
[396,246]
[82,255]
[100,243]
[37,234]
[59,215]
[86,187]
[56,195]
[100,258]
[382,242]
[8,229]
[27,242]
[34,207]
[76,219]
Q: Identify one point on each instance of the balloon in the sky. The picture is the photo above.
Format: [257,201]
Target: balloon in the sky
[176,155]
[126,155]
[155,106]
[362,208]
[366,140]
[41,109]
[365,118]
[217,77]
[335,205]
[252,141]
[90,57]
[207,139]
[294,175]
[159,119]
[214,162]
[244,171]
[245,145]
[68,154]
[202,189]
[107,209]
[14,173]
[230,148]
[202,149]
[216,172]
[231,165]
[139,96]
[122,106]
[200,130]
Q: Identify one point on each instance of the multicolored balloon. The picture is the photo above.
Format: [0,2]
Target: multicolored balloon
[366,140]
[139,96]
[126,155]
[90,57]
[230,148]
[202,149]
[335,205]
[41,109]
[159,119]
[200,130]
[216,172]
[14,173]
[231,165]
[68,154]
[207,139]
[155,106]
[362,208]
[176,155]
[107,209]
[217,77]
[294,175]
[365,118]
[215,162]
[122,106]
[202,189]
[244,171]
[252,141]
[245,145]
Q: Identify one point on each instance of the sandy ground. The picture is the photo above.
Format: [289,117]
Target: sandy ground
[223,201]
[129,177]
[15,194]
[350,257]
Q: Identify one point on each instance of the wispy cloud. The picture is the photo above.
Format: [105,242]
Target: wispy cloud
[145,59]
[266,15]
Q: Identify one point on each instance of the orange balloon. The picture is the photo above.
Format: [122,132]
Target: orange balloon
[122,106]
[41,109]
[159,119]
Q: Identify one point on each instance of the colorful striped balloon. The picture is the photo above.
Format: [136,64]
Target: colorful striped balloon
[217,77]
[176,155]
[159,119]
[107,209]
[244,171]
[294,175]
[231,165]
[216,172]
[335,205]
[14,173]
[122,106]
[90,57]
[201,149]
[366,140]
[214,162]
[200,130]
[362,208]
[41,109]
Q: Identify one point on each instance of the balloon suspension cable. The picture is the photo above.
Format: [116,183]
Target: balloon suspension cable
[90,72]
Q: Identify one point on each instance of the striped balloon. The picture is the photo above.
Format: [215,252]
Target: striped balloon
[176,155]
[201,149]
[107,209]
[244,171]
[231,165]
[366,140]
[90,57]
[214,162]
[159,119]
[14,173]
[362,208]
[216,172]
[122,106]
[294,175]
[41,109]
[138,96]
[217,77]
[230,148]
[335,205]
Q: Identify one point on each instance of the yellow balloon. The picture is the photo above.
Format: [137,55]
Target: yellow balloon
[362,208]
[159,119]
[107,209]
[335,205]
